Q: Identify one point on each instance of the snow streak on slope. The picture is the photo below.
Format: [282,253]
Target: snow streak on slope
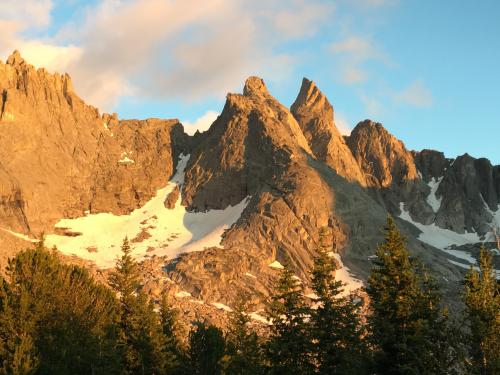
[442,238]
[432,199]
[152,229]
[495,221]
[344,274]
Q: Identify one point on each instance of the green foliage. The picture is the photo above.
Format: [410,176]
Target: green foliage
[206,350]
[173,331]
[289,349]
[407,322]
[50,312]
[336,323]
[244,355]
[141,341]
[482,301]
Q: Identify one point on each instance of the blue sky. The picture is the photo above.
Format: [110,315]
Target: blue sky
[428,70]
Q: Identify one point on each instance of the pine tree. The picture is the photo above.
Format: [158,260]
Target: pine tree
[50,311]
[244,352]
[173,332]
[289,349]
[206,350]
[406,314]
[140,336]
[338,333]
[482,302]
[18,354]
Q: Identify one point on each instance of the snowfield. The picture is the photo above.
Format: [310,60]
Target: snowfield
[441,238]
[432,199]
[152,229]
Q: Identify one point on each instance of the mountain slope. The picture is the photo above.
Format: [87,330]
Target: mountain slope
[215,215]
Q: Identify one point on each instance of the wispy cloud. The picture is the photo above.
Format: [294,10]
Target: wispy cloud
[372,105]
[167,49]
[353,53]
[416,95]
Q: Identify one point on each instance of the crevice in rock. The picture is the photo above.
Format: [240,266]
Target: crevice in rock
[4,100]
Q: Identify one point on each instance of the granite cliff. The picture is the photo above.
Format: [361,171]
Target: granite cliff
[215,215]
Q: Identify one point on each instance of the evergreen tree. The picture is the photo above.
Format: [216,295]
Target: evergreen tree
[244,353]
[50,311]
[140,339]
[173,332]
[406,316]
[18,354]
[206,350]
[289,349]
[338,333]
[482,302]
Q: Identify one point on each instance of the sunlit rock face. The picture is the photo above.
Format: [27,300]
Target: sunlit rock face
[216,215]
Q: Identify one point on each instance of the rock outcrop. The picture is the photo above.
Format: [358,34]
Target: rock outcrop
[315,115]
[60,158]
[469,194]
[248,144]
[382,157]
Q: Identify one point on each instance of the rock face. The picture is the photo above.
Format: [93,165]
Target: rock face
[314,113]
[383,158]
[249,143]
[59,157]
[470,192]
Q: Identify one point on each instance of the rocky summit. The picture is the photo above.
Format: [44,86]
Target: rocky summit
[215,215]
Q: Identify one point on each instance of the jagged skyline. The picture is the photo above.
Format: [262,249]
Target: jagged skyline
[422,66]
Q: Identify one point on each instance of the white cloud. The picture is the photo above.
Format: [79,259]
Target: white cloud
[52,57]
[166,49]
[201,124]
[416,95]
[30,13]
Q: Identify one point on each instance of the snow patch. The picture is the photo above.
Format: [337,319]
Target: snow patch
[256,316]
[125,159]
[182,294]
[153,230]
[221,306]
[344,274]
[495,221]
[441,238]
[432,199]
[20,235]
[276,265]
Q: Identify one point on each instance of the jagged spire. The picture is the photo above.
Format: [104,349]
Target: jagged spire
[255,86]
[311,96]
[15,58]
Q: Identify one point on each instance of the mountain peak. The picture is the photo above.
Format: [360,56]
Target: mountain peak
[15,59]
[370,125]
[255,86]
[314,113]
[311,96]
[381,155]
